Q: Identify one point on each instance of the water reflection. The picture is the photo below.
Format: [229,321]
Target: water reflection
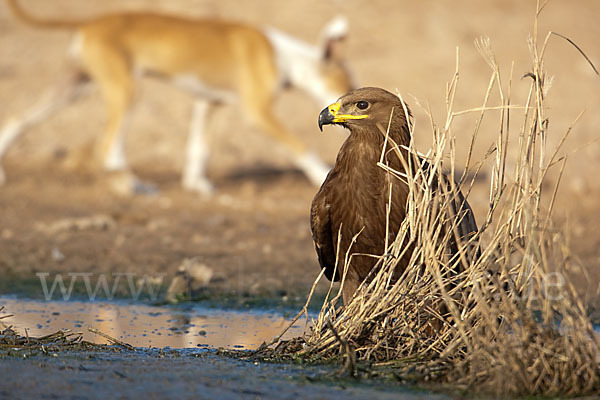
[148,326]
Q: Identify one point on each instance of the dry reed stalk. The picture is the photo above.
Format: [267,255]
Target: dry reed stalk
[111,339]
[488,322]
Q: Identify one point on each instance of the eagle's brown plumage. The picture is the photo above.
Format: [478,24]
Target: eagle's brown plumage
[354,196]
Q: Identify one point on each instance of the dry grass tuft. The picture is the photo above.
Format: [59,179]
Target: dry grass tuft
[509,322]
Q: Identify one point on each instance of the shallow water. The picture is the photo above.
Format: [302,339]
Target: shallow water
[148,326]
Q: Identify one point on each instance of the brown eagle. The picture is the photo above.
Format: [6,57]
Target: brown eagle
[354,196]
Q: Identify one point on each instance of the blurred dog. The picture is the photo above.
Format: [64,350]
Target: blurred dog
[217,61]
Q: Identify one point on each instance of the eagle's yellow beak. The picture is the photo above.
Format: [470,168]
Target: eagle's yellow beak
[330,115]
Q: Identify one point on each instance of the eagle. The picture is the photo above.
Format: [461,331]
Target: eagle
[353,198]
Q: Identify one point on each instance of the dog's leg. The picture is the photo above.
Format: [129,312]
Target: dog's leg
[64,93]
[194,172]
[110,152]
[111,70]
[309,163]
[258,87]
[113,149]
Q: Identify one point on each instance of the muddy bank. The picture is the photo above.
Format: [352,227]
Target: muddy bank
[175,355]
[170,374]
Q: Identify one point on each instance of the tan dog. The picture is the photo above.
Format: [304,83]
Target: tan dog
[219,62]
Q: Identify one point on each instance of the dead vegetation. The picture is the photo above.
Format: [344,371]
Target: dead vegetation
[507,322]
[14,344]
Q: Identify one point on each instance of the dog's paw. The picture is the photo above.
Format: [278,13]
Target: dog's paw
[125,183]
[144,188]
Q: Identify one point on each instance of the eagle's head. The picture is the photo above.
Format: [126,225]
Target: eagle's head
[367,108]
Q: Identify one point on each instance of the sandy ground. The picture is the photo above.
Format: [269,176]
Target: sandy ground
[253,235]
[254,232]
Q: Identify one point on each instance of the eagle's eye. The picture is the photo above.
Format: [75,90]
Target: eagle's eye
[362,105]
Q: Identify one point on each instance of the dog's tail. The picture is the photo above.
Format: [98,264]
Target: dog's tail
[29,19]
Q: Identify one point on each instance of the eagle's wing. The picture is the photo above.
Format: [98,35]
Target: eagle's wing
[322,234]
[460,210]
[468,225]
[466,228]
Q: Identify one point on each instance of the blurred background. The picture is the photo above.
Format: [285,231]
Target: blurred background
[254,233]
